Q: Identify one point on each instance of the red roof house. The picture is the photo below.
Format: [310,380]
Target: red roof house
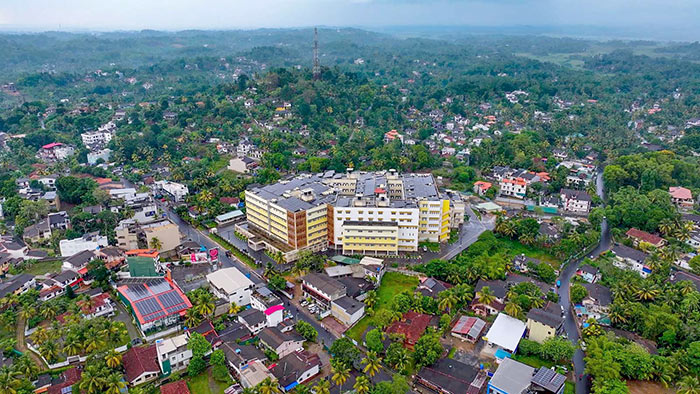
[141,364]
[412,326]
[638,236]
[68,378]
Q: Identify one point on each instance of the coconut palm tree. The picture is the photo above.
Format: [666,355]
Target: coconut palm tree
[9,382]
[647,291]
[373,363]
[113,359]
[192,317]
[40,335]
[485,295]
[113,383]
[402,360]
[72,346]
[447,300]
[91,381]
[25,366]
[234,309]
[156,243]
[268,386]
[689,385]
[371,299]
[513,308]
[205,304]
[93,343]
[341,373]
[667,226]
[362,385]
[322,387]
[49,350]
[48,311]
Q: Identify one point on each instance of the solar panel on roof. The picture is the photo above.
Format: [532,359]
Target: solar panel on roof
[169,299]
[158,286]
[176,309]
[148,306]
[137,292]
[155,316]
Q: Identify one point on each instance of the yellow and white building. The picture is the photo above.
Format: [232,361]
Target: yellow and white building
[370,213]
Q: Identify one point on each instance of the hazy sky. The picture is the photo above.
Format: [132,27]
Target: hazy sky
[217,14]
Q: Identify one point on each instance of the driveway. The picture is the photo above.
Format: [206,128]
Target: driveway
[125,317]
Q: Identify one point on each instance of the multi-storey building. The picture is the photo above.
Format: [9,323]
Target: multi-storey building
[381,213]
[514,187]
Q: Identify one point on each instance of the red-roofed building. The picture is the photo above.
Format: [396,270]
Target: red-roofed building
[392,135]
[68,378]
[514,187]
[481,187]
[141,364]
[100,305]
[681,196]
[54,152]
[412,326]
[154,302]
[468,328]
[638,236]
[179,387]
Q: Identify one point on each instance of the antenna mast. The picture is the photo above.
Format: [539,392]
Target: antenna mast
[317,65]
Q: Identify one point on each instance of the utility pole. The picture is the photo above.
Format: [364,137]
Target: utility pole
[317,65]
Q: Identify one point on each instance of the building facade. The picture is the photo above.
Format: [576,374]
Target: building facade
[376,213]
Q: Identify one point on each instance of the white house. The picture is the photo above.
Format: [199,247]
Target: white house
[173,354]
[230,284]
[505,334]
[89,241]
[575,200]
[513,187]
[175,190]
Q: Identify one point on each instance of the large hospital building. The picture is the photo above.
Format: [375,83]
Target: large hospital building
[370,213]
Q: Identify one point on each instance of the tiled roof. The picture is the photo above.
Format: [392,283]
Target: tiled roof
[139,360]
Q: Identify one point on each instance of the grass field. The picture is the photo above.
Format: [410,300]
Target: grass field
[392,284]
[204,383]
[44,267]
[516,247]
[533,361]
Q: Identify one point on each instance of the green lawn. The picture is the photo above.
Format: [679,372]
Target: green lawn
[533,361]
[516,247]
[44,267]
[392,283]
[204,383]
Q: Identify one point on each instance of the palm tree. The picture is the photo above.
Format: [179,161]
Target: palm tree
[341,373]
[156,243]
[113,359]
[39,336]
[526,239]
[206,304]
[689,385]
[91,381]
[268,386]
[8,382]
[401,360]
[322,387]
[26,313]
[49,350]
[536,302]
[373,363]
[234,309]
[93,343]
[192,317]
[667,226]
[647,291]
[114,384]
[48,311]
[362,385]
[25,366]
[617,314]
[513,309]
[371,299]
[447,300]
[485,295]
[72,346]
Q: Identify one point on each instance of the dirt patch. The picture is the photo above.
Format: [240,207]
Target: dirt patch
[644,387]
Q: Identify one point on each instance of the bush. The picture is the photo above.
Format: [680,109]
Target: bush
[529,348]
[578,293]
[197,366]
[373,339]
[307,331]
[220,373]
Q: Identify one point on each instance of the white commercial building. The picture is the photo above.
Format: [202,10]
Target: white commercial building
[230,284]
[505,333]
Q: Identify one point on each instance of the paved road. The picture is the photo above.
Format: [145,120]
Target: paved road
[203,239]
[582,385]
[469,233]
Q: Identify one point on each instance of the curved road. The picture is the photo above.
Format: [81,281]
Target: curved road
[583,384]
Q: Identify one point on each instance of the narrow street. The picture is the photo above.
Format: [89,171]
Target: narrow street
[22,346]
[203,239]
[570,324]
